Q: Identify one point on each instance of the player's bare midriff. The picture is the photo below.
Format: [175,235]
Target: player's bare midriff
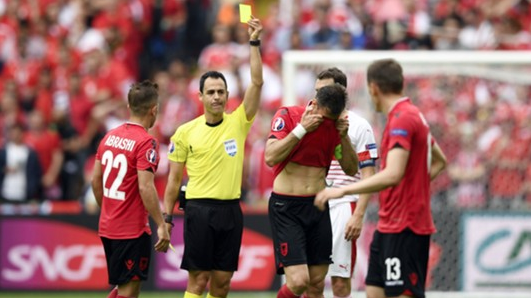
[299,180]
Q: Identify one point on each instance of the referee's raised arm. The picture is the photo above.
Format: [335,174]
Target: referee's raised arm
[251,100]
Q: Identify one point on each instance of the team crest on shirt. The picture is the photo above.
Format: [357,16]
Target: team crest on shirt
[278,124]
[151,156]
[230,147]
[171,148]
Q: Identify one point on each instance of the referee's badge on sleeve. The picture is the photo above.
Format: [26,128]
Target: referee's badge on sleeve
[278,124]
[230,147]
[171,148]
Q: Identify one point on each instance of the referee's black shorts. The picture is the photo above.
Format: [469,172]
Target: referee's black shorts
[212,234]
[398,263]
[301,233]
[127,259]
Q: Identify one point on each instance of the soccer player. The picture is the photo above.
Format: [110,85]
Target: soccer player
[300,148]
[123,184]
[212,149]
[410,159]
[348,212]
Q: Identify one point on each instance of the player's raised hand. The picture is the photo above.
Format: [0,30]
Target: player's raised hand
[255,28]
[353,227]
[310,118]
[342,124]
[325,195]
[164,239]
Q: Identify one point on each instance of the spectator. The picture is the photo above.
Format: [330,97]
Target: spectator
[468,172]
[417,23]
[318,34]
[47,144]
[511,35]
[505,161]
[10,113]
[446,36]
[478,33]
[20,171]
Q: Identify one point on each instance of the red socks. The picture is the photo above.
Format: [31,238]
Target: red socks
[284,292]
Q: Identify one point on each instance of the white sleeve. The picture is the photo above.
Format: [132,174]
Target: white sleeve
[362,137]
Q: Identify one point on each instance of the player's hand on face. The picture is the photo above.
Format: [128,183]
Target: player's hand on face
[164,239]
[325,195]
[342,124]
[353,227]
[255,28]
[311,119]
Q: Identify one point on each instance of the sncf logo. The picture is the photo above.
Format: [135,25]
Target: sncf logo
[56,256]
[35,265]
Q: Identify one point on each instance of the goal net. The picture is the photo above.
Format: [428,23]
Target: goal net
[478,105]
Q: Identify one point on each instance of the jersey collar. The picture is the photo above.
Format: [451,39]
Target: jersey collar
[136,124]
[396,103]
[214,124]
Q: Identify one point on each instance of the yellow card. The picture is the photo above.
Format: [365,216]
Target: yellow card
[172,248]
[245,13]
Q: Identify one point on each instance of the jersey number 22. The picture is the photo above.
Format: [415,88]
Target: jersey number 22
[119,162]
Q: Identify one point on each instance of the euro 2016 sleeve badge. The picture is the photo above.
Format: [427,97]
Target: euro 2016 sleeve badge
[278,124]
[151,156]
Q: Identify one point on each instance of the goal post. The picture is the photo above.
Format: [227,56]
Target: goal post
[431,60]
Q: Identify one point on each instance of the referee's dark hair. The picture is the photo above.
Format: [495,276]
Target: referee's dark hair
[142,97]
[211,74]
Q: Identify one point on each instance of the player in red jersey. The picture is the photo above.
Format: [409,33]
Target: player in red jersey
[410,159]
[123,184]
[300,148]
[347,213]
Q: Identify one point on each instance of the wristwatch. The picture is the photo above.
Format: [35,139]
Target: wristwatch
[168,218]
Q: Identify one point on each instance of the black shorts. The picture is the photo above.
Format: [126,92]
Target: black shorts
[301,233]
[127,259]
[398,262]
[212,235]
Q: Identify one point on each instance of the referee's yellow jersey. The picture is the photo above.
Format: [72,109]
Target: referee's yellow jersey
[213,155]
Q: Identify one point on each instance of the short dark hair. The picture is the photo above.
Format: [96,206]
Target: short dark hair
[333,97]
[334,73]
[387,75]
[211,74]
[142,97]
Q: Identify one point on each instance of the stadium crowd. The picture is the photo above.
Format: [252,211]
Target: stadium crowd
[66,65]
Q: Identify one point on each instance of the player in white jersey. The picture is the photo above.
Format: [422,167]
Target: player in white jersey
[347,213]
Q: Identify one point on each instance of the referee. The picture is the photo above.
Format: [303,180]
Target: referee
[211,147]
